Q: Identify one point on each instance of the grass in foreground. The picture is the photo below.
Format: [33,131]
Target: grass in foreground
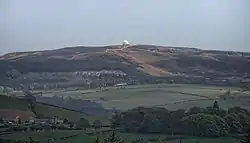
[207,140]
[127,137]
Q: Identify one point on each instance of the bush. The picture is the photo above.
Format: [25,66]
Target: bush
[83,123]
[97,124]
[234,123]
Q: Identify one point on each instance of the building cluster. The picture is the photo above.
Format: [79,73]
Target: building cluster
[34,124]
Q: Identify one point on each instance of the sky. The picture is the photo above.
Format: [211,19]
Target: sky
[51,24]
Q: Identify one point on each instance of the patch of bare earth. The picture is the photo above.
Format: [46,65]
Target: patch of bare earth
[143,66]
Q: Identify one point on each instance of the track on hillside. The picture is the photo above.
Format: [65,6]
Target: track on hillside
[143,66]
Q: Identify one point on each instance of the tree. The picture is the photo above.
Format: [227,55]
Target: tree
[18,120]
[209,110]
[216,107]
[116,120]
[97,140]
[30,99]
[13,74]
[31,140]
[178,114]
[1,119]
[233,120]
[197,121]
[238,110]
[222,113]
[97,124]
[140,141]
[245,86]
[83,123]
[71,125]
[194,110]
[65,121]
[241,115]
[246,138]
[29,96]
[204,125]
[113,138]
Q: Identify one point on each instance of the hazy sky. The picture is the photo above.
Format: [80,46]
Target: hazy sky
[51,24]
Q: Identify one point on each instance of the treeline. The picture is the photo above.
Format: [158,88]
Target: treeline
[206,122]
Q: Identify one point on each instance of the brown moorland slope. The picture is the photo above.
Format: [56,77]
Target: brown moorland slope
[136,61]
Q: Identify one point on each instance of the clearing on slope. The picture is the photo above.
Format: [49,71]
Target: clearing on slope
[143,66]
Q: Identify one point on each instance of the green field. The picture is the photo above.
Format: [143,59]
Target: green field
[45,110]
[10,103]
[172,96]
[83,137]
[51,111]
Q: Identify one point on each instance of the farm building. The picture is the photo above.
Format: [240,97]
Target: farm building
[121,84]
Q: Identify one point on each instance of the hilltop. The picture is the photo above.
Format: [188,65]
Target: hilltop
[112,64]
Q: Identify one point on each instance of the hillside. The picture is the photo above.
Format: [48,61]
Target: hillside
[10,108]
[112,64]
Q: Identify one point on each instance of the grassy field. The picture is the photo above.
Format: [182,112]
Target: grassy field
[172,96]
[44,110]
[83,137]
[51,111]
[10,103]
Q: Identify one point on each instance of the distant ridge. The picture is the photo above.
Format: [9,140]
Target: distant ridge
[139,62]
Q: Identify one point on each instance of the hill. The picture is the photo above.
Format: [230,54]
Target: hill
[11,107]
[108,65]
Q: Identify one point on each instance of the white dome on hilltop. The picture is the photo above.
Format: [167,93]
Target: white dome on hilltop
[125,42]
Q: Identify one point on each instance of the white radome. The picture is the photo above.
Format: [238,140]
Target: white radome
[125,42]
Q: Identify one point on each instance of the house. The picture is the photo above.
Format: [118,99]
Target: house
[41,121]
[121,85]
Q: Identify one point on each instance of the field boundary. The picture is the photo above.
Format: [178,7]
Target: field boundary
[52,105]
[185,101]
[61,107]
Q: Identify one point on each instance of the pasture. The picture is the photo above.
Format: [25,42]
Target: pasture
[51,111]
[10,103]
[12,107]
[171,96]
